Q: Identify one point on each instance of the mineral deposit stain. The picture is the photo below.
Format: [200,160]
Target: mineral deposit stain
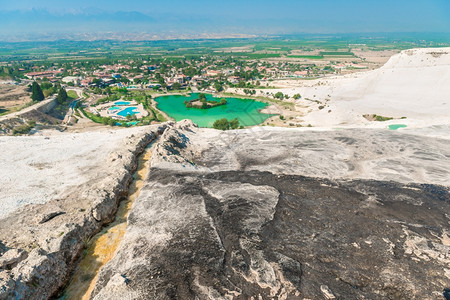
[102,247]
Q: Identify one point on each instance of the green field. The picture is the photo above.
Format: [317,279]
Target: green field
[337,53]
[306,56]
[262,55]
[267,47]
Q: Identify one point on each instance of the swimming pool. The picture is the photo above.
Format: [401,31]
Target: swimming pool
[128,111]
[396,126]
[122,103]
[114,108]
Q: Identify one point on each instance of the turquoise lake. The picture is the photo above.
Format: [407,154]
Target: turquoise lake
[245,110]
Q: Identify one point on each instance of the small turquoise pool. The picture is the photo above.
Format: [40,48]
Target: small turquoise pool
[114,108]
[122,103]
[128,111]
[396,126]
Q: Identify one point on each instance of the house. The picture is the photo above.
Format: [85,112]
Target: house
[107,81]
[272,71]
[300,74]
[234,79]
[35,75]
[86,81]
[198,79]
[228,72]
[137,78]
[261,69]
[153,85]
[180,79]
[73,79]
[213,73]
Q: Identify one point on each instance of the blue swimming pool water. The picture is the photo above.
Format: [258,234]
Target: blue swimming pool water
[114,108]
[128,111]
[396,126]
[122,103]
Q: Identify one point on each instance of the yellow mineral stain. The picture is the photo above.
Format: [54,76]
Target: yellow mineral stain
[102,247]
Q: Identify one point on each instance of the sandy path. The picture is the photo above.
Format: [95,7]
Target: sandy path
[28,109]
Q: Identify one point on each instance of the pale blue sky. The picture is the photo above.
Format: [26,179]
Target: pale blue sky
[263,15]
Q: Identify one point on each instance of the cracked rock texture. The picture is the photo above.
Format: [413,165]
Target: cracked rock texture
[273,214]
[40,242]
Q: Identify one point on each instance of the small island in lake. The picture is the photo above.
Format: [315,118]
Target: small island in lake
[202,103]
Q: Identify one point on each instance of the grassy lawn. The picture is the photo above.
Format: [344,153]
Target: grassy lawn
[72,94]
[93,117]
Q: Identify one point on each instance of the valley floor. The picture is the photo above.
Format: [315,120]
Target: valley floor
[346,209]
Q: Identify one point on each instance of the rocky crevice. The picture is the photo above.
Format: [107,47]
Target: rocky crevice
[41,243]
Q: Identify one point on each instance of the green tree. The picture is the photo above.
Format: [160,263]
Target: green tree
[221,124]
[224,124]
[46,85]
[111,122]
[234,124]
[218,86]
[36,92]
[297,96]
[176,86]
[279,95]
[62,95]
[161,81]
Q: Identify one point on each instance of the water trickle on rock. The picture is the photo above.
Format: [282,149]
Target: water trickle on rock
[102,247]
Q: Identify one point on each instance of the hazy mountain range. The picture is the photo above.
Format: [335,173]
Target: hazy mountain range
[94,23]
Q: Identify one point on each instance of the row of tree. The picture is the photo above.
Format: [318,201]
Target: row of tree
[38,95]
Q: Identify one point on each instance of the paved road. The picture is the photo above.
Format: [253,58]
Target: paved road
[71,110]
